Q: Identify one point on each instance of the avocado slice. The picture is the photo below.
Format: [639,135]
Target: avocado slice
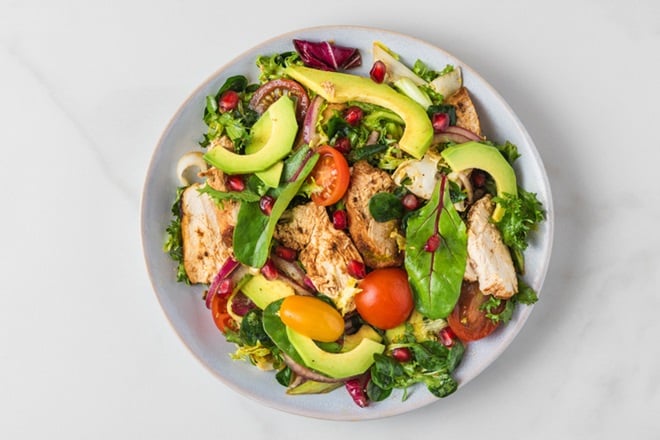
[261,132]
[489,159]
[263,291]
[335,365]
[338,88]
[313,387]
[353,340]
[272,139]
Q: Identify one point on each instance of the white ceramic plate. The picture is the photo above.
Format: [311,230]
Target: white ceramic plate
[182,304]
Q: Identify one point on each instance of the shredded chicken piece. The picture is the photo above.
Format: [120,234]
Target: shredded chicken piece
[207,229]
[489,259]
[466,114]
[376,241]
[324,252]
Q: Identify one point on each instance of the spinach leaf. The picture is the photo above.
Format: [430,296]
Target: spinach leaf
[387,373]
[253,233]
[436,254]
[431,363]
[237,83]
[441,385]
[385,206]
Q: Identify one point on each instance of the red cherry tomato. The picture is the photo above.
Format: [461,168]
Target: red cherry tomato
[385,300]
[332,175]
[220,314]
[269,92]
[312,317]
[467,321]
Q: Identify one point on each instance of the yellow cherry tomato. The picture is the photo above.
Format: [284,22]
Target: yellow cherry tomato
[312,317]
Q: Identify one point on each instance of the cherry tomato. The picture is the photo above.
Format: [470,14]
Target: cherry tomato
[332,175]
[269,92]
[385,300]
[221,316]
[467,321]
[312,317]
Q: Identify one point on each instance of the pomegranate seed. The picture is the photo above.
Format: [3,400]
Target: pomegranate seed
[343,144]
[236,183]
[340,219]
[353,115]
[432,243]
[228,101]
[478,178]
[402,354]
[286,253]
[226,286]
[266,204]
[269,271]
[357,269]
[447,337]
[440,122]
[377,72]
[410,201]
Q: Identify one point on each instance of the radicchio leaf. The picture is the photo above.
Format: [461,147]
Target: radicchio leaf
[436,272]
[326,55]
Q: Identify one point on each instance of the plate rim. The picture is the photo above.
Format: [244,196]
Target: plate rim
[359,413]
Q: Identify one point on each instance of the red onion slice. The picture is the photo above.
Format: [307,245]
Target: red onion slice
[444,137]
[226,269]
[292,273]
[463,132]
[312,115]
[305,372]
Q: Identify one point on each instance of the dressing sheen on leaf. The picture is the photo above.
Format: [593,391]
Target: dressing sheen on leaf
[436,254]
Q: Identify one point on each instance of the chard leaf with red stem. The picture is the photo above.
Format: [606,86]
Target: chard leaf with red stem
[436,272]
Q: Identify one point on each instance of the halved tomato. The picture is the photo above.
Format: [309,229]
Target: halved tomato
[467,320]
[269,92]
[331,174]
[221,316]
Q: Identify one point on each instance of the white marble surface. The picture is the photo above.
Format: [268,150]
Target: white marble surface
[86,87]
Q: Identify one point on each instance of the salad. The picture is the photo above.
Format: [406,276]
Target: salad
[351,232]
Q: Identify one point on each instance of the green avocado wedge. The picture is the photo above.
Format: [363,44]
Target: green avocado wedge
[336,365]
[272,139]
[338,88]
[489,159]
[304,350]
[263,291]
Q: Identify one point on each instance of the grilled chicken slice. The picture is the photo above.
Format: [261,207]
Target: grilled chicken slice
[207,229]
[324,252]
[466,114]
[489,259]
[376,241]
